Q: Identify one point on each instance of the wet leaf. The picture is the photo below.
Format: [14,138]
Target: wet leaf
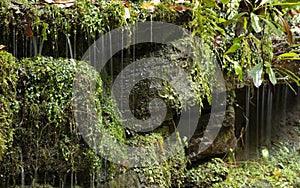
[289,54]
[236,44]
[273,27]
[272,76]
[233,48]
[255,23]
[256,74]
[235,18]
[238,70]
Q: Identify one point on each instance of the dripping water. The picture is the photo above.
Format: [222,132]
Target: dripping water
[247,136]
[22,170]
[34,46]
[69,48]
[269,117]
[23,46]
[41,47]
[74,49]
[14,42]
[266,113]
[261,125]
[257,124]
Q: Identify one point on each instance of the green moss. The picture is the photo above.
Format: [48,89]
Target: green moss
[280,170]
[42,128]
[8,103]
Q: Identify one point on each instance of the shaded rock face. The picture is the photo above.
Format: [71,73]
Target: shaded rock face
[145,91]
[268,115]
[287,123]
[225,139]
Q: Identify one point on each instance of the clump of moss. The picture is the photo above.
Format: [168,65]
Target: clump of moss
[8,103]
[38,133]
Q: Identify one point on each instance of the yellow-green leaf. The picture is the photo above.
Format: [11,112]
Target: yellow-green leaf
[289,54]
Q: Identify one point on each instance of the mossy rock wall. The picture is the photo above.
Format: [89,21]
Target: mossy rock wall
[38,134]
[42,143]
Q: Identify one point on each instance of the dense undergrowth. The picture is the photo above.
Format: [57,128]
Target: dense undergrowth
[279,169]
[39,142]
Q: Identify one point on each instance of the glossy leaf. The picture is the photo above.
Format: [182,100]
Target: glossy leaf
[255,23]
[274,29]
[256,74]
[289,54]
[272,76]
[238,70]
[233,48]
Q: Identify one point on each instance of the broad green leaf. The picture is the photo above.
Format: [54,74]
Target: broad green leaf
[238,70]
[289,54]
[273,27]
[293,58]
[256,25]
[235,18]
[256,74]
[272,76]
[238,39]
[233,48]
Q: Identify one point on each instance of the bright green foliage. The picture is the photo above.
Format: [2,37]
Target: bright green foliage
[248,39]
[9,106]
[42,128]
[280,170]
[207,174]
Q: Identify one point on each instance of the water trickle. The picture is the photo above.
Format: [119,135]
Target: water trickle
[75,42]
[15,42]
[24,46]
[34,46]
[262,115]
[41,47]
[269,117]
[267,114]
[22,170]
[69,46]
[247,114]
